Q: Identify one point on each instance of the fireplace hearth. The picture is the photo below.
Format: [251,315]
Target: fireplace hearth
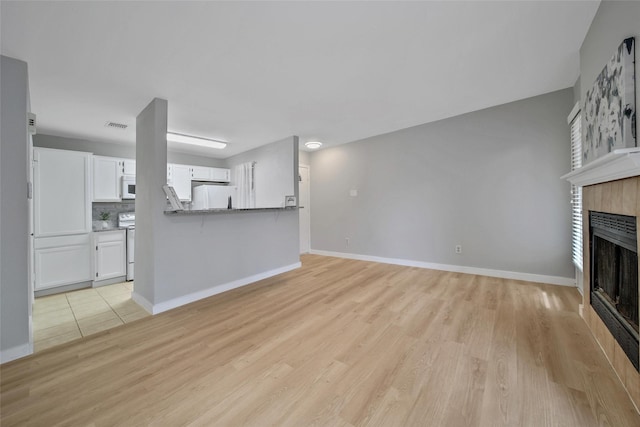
[614,278]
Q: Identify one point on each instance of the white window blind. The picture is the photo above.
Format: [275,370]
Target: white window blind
[576,192]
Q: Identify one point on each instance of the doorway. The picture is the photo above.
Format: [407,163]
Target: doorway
[305,209]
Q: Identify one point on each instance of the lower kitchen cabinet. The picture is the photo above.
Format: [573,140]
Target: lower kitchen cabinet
[111,254]
[62,260]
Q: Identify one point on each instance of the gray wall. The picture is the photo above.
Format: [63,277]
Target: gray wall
[14,210]
[576,92]
[118,150]
[191,254]
[275,171]
[488,180]
[614,22]
[304,157]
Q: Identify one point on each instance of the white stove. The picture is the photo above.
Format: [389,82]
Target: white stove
[128,219]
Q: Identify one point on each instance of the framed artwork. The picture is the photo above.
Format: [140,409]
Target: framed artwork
[610,106]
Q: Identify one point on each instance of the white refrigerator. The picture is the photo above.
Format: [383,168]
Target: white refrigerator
[211,196]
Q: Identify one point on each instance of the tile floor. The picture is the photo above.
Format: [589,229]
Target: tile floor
[65,317]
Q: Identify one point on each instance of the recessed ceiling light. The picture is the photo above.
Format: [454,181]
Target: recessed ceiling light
[192,140]
[313,145]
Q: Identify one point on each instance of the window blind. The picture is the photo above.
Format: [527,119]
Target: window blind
[576,192]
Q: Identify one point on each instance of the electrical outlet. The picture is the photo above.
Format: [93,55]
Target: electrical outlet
[346,240]
[458,249]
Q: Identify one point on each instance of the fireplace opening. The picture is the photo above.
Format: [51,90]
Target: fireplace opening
[614,277]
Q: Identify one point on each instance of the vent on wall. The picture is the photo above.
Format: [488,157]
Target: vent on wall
[116,125]
[31,123]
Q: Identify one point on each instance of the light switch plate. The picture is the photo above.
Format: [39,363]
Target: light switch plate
[353,193]
[290,200]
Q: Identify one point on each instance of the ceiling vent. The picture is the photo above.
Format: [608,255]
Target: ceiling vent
[116,125]
[31,123]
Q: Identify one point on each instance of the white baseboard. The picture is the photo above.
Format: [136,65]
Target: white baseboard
[205,293]
[537,278]
[15,352]
[141,301]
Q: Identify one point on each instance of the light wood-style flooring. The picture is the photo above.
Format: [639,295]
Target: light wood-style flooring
[335,343]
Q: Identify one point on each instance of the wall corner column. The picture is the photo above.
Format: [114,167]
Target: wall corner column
[151,175]
[15,300]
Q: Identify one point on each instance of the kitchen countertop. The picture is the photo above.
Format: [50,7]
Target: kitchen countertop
[228,211]
[98,230]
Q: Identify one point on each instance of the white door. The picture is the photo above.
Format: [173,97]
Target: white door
[62,196]
[32,274]
[305,209]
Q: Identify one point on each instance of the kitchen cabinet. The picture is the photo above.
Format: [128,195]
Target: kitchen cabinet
[204,173]
[110,254]
[62,217]
[129,167]
[179,177]
[201,173]
[220,175]
[107,173]
[62,260]
[107,177]
[61,192]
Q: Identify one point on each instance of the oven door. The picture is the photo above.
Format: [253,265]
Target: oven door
[128,187]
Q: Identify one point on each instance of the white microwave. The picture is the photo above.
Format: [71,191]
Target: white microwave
[129,187]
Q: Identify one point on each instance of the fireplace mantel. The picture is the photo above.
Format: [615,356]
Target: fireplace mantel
[618,164]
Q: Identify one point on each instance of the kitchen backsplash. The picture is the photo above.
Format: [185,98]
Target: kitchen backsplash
[113,208]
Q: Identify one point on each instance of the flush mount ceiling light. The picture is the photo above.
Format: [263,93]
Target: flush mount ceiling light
[313,145]
[192,140]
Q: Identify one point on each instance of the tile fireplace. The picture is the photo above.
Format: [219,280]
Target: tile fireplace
[614,277]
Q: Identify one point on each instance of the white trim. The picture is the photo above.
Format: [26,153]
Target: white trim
[528,277]
[16,352]
[579,280]
[618,164]
[574,112]
[141,301]
[205,293]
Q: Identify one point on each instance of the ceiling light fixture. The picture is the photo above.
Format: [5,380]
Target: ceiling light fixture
[202,142]
[313,145]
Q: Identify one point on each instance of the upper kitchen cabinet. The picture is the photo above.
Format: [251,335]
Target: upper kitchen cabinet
[203,173]
[107,173]
[179,177]
[220,175]
[129,167]
[62,194]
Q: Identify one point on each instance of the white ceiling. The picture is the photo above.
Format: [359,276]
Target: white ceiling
[256,72]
